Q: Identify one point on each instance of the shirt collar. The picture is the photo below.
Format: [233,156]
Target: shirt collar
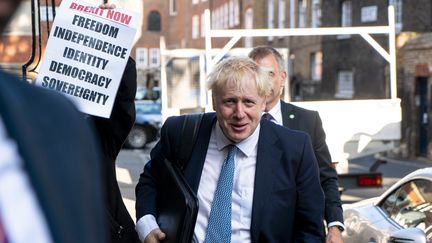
[276,113]
[247,146]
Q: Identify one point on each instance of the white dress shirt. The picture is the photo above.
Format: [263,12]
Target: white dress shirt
[276,114]
[242,194]
[20,211]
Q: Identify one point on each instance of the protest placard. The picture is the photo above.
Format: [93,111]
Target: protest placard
[86,54]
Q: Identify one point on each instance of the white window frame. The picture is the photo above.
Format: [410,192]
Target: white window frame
[141,56]
[202,25]
[154,55]
[195,27]
[173,7]
[345,84]
[316,66]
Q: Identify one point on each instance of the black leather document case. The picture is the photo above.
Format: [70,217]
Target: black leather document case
[177,205]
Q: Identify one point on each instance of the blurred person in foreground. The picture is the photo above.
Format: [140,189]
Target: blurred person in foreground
[50,171]
[308,121]
[256,179]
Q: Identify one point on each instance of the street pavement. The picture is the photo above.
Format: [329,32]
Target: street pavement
[130,164]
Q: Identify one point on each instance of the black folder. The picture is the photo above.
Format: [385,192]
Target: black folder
[177,205]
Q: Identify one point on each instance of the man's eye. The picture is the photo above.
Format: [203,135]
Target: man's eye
[249,103]
[229,101]
[272,74]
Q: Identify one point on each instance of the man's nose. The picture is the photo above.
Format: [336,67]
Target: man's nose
[240,110]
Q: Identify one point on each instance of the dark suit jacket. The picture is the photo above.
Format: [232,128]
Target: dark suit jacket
[112,133]
[288,201]
[60,156]
[310,122]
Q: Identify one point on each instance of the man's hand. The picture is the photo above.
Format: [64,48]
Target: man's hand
[107,6]
[155,236]
[334,235]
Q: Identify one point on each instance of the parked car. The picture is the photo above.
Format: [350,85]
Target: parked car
[147,124]
[403,213]
[144,93]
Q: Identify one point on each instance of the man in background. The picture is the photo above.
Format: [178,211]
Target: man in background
[50,171]
[308,121]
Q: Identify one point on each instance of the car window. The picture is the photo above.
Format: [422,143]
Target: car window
[148,108]
[411,205]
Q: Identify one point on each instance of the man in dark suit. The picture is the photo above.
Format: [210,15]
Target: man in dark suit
[271,195]
[50,174]
[297,118]
[112,132]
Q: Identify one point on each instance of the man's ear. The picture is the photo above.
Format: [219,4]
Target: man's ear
[283,77]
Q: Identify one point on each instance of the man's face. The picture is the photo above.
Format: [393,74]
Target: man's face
[7,9]
[277,78]
[238,110]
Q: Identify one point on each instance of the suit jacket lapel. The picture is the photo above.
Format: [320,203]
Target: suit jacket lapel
[195,165]
[268,159]
[289,118]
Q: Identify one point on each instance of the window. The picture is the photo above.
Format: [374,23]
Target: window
[141,58]
[270,17]
[154,57]
[173,7]
[301,13]
[202,25]
[292,14]
[195,26]
[369,14]
[213,19]
[316,14]
[231,13]
[346,14]
[248,25]
[154,21]
[195,1]
[345,17]
[225,16]
[281,14]
[236,12]
[345,85]
[316,66]
[397,4]
[20,23]
[44,10]
[411,205]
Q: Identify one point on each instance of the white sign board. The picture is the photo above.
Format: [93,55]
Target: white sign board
[86,54]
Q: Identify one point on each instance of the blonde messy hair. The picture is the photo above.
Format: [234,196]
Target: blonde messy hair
[240,71]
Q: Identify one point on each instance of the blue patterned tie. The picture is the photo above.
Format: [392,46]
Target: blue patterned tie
[219,223]
[267,116]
